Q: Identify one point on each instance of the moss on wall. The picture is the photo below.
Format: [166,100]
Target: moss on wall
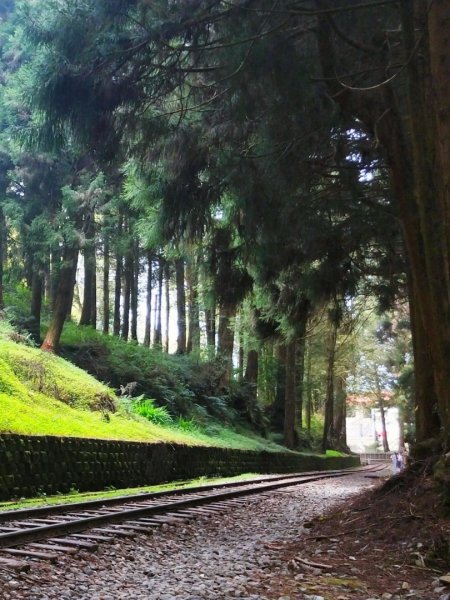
[30,465]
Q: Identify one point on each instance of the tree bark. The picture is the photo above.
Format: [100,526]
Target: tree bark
[55,265]
[210,326]
[157,335]
[193,341]
[106,269]
[226,341]
[209,302]
[181,306]
[167,291]
[252,367]
[64,290]
[309,402]
[118,279]
[425,400]
[328,427]
[134,293]
[290,398]
[382,412]
[340,413]
[148,303]
[417,147]
[36,304]
[128,282]
[277,411]
[300,368]
[47,280]
[88,312]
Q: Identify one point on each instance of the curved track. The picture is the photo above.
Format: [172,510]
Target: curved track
[46,532]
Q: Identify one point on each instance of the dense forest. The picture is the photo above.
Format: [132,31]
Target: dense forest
[259,185]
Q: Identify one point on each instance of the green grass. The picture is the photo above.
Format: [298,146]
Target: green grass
[76,496]
[42,394]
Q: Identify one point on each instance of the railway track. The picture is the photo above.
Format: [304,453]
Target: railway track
[45,533]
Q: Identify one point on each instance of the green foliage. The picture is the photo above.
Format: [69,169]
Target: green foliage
[35,387]
[187,424]
[184,385]
[147,409]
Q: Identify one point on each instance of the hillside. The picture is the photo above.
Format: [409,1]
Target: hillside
[43,394]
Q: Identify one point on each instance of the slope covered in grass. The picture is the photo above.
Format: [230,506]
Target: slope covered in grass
[42,394]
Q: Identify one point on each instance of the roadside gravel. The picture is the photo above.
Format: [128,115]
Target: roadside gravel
[235,554]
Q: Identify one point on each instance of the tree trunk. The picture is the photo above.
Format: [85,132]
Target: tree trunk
[36,304]
[148,303]
[106,268]
[157,335]
[74,297]
[167,291]
[277,412]
[55,264]
[241,357]
[193,341]
[47,281]
[64,291]
[209,302]
[401,427]
[88,312]
[181,306]
[252,366]
[309,402]
[128,283]
[226,341]
[328,432]
[300,378]
[340,413]
[290,398]
[210,326]
[382,412]
[417,144]
[425,400]
[118,278]
[134,293]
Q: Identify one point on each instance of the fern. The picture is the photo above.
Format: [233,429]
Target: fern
[146,408]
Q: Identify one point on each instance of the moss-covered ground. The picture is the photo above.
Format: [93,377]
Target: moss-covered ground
[43,394]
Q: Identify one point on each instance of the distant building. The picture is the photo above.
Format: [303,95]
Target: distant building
[364,430]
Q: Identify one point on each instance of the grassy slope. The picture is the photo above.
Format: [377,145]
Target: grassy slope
[41,394]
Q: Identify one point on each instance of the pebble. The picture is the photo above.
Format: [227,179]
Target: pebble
[207,559]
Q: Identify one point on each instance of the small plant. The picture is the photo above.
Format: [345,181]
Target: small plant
[146,408]
[187,424]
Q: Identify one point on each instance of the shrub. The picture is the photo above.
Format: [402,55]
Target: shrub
[145,407]
[187,424]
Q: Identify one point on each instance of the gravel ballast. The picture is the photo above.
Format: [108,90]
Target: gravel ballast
[235,554]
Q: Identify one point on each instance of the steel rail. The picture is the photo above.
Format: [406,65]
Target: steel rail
[20,537]
[55,509]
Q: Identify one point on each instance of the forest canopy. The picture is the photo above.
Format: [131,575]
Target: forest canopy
[281,168]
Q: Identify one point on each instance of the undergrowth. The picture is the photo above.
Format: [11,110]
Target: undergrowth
[188,387]
[43,394]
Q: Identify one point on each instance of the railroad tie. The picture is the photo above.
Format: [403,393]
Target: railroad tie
[68,541]
[115,532]
[92,536]
[54,547]
[31,554]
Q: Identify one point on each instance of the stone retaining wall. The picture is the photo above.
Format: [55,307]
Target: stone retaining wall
[30,465]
